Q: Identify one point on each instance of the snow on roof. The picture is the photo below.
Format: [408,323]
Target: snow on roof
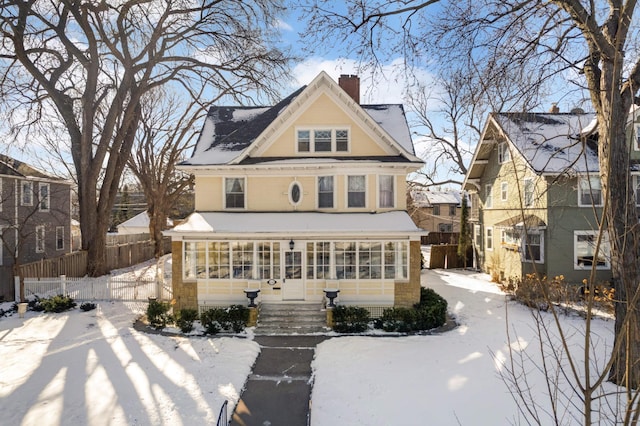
[397,222]
[551,143]
[141,220]
[393,120]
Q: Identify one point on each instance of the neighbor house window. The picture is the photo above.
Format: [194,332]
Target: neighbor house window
[488,201]
[322,140]
[589,191]
[528,192]
[43,199]
[325,192]
[532,250]
[1,198]
[386,191]
[477,234]
[637,138]
[59,237]
[356,191]
[488,238]
[26,193]
[436,210]
[40,239]
[636,189]
[504,186]
[452,210]
[234,193]
[503,153]
[584,248]
[445,227]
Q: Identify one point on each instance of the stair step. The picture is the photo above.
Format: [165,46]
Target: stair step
[291,318]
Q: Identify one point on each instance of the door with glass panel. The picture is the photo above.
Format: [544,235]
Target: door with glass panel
[293,285]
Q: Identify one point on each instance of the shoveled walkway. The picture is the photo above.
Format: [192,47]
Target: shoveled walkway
[278,391]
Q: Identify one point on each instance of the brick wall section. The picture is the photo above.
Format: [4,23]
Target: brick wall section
[407,292]
[185,294]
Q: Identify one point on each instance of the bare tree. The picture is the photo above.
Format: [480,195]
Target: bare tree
[166,132]
[588,43]
[85,66]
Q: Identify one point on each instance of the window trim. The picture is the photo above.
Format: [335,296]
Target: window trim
[290,193]
[488,239]
[334,139]
[523,242]
[580,179]
[224,193]
[59,238]
[366,183]
[333,191]
[393,192]
[504,191]
[436,209]
[528,196]
[504,155]
[605,240]
[29,186]
[488,196]
[46,199]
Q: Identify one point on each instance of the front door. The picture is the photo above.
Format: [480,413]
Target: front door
[293,285]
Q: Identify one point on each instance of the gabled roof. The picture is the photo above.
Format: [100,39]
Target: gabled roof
[230,134]
[12,167]
[430,198]
[550,143]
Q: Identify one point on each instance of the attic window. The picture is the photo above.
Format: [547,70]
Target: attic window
[503,153]
[322,140]
[295,193]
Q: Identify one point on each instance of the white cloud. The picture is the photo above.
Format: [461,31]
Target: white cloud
[283,25]
[387,84]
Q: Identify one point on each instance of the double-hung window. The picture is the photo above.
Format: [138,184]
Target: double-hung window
[59,237]
[636,189]
[488,201]
[234,192]
[533,246]
[503,153]
[452,210]
[528,192]
[40,239]
[589,191]
[504,188]
[584,249]
[488,238]
[43,197]
[356,191]
[26,193]
[325,192]
[386,191]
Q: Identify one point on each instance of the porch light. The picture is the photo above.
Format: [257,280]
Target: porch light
[291,245]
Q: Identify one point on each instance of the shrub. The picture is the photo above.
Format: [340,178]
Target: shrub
[398,319]
[57,303]
[234,318]
[33,305]
[350,319]
[429,313]
[185,319]
[87,306]
[158,314]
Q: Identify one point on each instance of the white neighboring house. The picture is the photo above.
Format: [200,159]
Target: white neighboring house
[139,224]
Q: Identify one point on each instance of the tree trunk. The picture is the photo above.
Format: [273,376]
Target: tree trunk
[157,219]
[622,226]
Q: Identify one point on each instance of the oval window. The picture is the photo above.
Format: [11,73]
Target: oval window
[295,193]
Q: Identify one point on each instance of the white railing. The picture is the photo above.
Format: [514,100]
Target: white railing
[113,288]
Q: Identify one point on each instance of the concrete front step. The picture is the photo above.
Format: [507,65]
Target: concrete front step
[291,318]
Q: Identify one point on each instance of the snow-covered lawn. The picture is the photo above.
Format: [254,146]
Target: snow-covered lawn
[93,368]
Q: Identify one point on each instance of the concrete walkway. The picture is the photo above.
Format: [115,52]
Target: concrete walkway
[278,391]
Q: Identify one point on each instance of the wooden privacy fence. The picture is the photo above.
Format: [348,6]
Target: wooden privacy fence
[75,264]
[106,289]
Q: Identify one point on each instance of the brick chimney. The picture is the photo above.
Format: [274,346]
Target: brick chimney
[351,85]
[554,108]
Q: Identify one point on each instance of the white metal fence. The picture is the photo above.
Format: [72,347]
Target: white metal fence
[113,288]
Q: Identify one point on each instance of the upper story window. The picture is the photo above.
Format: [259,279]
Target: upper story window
[26,193]
[43,197]
[503,153]
[589,191]
[528,192]
[325,192]
[436,210]
[386,191]
[488,201]
[452,210]
[59,237]
[356,191]
[322,140]
[636,189]
[504,187]
[234,193]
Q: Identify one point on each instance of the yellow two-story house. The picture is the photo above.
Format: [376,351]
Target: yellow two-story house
[299,197]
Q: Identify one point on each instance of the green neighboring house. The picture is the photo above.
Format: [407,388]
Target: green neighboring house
[536,195]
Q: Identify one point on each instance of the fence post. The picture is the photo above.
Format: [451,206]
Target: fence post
[63,282]
[16,281]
